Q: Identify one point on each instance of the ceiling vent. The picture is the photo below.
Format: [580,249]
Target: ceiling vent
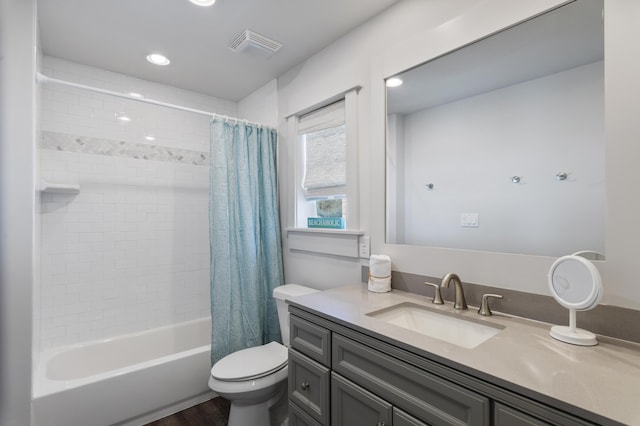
[250,40]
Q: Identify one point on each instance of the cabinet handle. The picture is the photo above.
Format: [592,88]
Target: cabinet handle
[304,385]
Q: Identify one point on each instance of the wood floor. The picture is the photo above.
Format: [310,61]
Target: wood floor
[214,412]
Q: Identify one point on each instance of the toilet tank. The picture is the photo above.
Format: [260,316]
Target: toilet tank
[281,294]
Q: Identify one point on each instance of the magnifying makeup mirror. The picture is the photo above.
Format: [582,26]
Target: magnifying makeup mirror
[576,284]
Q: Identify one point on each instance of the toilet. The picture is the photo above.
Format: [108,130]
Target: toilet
[254,380]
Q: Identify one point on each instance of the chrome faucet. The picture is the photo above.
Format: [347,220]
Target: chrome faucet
[460,303]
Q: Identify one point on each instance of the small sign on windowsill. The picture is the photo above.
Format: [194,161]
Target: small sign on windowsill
[325,222]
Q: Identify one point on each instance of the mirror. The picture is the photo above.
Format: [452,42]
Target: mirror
[499,146]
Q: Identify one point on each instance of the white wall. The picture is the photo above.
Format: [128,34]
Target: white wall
[470,149]
[17,152]
[338,68]
[130,250]
[261,106]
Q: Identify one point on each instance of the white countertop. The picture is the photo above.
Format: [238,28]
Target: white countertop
[603,379]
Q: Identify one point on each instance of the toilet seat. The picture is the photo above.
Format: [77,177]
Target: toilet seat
[236,389]
[251,364]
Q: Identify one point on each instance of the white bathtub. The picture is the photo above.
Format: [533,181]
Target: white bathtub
[129,377]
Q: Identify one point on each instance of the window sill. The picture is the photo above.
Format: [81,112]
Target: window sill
[326,231]
[336,242]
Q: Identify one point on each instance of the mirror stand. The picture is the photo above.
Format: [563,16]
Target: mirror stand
[573,335]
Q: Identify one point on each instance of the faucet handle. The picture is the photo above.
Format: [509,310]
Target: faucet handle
[484,306]
[437,296]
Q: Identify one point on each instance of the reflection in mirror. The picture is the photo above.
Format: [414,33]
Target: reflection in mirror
[499,146]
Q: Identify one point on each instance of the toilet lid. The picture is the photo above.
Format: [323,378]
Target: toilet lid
[251,363]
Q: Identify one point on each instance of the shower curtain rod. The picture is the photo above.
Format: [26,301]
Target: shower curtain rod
[41,78]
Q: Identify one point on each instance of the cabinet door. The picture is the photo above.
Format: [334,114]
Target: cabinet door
[297,417]
[309,386]
[352,405]
[400,418]
[507,416]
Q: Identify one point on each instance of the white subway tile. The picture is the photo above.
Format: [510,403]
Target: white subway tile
[140,240]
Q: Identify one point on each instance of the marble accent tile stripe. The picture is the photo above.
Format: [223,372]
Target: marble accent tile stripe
[99,146]
[605,320]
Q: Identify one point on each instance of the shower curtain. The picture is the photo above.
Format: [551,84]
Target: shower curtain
[244,233]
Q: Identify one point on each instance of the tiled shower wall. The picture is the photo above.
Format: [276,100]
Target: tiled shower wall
[130,250]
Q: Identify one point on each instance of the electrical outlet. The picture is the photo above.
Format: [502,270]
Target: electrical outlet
[364,246]
[469,220]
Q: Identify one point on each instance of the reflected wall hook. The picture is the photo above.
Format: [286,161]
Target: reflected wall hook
[515,179]
[429,186]
[561,176]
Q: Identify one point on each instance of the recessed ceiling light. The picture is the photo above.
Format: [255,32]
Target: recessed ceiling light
[158,59]
[150,138]
[203,2]
[394,82]
[123,118]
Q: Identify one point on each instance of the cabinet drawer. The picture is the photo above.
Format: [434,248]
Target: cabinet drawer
[400,418]
[430,398]
[507,416]
[309,386]
[311,340]
[353,405]
[297,417]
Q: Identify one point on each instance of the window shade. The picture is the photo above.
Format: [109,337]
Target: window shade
[325,168]
[329,116]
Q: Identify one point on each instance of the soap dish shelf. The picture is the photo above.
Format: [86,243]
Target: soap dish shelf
[59,188]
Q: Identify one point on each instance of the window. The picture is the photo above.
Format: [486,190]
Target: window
[326,153]
[322,136]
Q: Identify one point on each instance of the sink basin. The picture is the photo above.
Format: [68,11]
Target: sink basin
[450,328]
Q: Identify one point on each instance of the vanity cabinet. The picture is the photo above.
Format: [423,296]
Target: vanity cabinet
[341,376]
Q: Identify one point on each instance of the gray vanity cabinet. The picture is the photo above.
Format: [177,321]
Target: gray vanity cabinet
[340,376]
[368,387]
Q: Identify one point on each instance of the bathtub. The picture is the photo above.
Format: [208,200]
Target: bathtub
[130,379]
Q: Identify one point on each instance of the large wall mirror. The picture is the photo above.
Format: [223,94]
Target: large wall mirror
[499,146]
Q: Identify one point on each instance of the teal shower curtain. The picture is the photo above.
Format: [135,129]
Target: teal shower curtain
[244,233]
